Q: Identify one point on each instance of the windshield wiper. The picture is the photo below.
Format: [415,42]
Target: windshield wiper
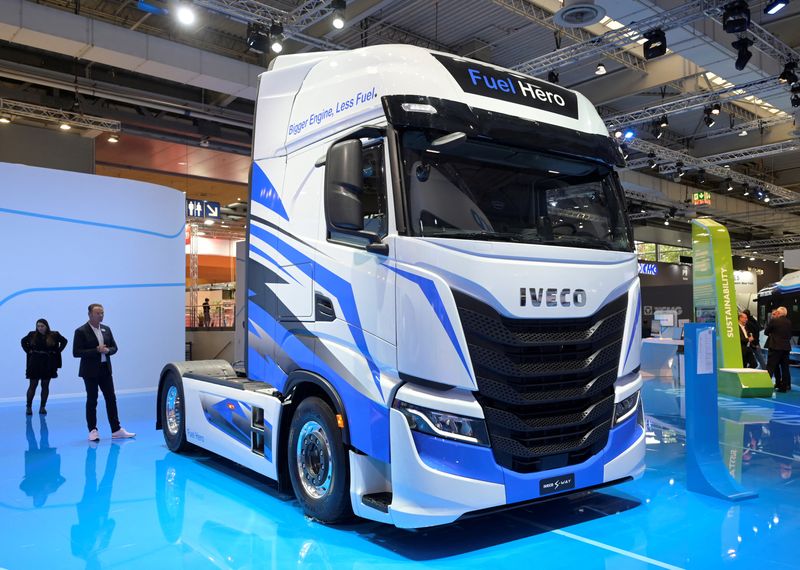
[482,235]
[585,241]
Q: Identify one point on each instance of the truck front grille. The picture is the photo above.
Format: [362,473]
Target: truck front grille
[546,386]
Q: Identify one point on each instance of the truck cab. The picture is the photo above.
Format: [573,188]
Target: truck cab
[443,304]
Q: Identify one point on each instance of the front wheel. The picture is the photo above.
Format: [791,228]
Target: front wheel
[173,413]
[318,462]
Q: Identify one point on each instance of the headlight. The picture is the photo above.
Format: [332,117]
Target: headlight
[443,424]
[626,408]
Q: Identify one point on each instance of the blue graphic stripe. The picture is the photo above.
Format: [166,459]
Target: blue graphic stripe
[90,223]
[337,286]
[428,288]
[368,420]
[634,328]
[264,192]
[261,252]
[88,288]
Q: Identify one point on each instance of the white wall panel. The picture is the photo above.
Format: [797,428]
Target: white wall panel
[71,239]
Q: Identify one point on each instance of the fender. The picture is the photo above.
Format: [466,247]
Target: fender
[303,376]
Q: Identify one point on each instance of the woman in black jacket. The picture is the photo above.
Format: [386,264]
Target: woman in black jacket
[43,348]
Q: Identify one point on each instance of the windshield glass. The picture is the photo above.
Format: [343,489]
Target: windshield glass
[472,189]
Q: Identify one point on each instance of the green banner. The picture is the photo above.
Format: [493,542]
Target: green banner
[714,296]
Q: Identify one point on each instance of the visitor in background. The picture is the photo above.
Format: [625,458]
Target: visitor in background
[745,338]
[755,330]
[43,349]
[779,336]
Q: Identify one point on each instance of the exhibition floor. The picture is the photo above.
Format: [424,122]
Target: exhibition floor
[135,505]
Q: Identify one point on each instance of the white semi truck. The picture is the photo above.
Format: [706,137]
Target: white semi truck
[443,307]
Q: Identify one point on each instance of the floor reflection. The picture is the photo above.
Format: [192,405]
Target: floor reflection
[93,532]
[42,464]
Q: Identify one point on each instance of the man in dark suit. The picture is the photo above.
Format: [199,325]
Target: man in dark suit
[94,345]
[779,333]
[748,358]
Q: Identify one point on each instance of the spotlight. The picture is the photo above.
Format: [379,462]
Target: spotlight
[716,108]
[666,219]
[552,76]
[709,121]
[4,119]
[679,169]
[728,184]
[663,122]
[113,139]
[655,44]
[746,190]
[185,14]
[257,38]
[276,35]
[743,54]
[736,17]
[766,199]
[788,75]
[600,70]
[628,135]
[651,160]
[64,127]
[774,7]
[743,133]
[338,13]
[701,176]
[618,134]
[795,100]
[625,152]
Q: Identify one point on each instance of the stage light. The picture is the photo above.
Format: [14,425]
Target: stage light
[618,134]
[600,69]
[716,108]
[628,135]
[64,127]
[552,76]
[774,7]
[744,133]
[185,14]
[788,75]
[5,119]
[338,13]
[746,193]
[257,38]
[276,35]
[736,17]
[701,176]
[663,122]
[743,54]
[113,139]
[709,121]
[679,169]
[729,184]
[655,44]
[795,100]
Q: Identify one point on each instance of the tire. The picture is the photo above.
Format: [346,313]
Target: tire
[172,408]
[318,462]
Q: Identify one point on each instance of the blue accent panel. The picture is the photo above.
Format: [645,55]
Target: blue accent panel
[429,290]
[462,459]
[524,487]
[228,417]
[87,288]
[368,420]
[271,260]
[337,286]
[264,192]
[90,223]
[635,328]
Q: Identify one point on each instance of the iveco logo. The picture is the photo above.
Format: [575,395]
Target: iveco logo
[552,297]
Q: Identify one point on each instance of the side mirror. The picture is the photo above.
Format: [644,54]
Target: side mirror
[343,183]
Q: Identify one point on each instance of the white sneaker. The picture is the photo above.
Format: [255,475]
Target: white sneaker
[94,435]
[121,433]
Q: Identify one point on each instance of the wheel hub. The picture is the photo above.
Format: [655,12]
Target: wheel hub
[173,410]
[314,459]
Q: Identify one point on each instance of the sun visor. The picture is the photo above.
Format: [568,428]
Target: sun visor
[414,111]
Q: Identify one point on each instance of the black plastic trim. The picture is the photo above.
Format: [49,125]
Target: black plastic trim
[303,376]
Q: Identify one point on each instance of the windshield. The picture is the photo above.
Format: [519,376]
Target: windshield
[480,190]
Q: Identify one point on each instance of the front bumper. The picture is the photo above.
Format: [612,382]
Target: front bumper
[435,481]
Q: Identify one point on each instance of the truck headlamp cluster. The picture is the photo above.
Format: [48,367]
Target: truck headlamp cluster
[626,408]
[443,424]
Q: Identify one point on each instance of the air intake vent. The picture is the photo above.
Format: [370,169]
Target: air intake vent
[578,13]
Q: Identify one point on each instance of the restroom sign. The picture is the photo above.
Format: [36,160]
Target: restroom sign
[202,209]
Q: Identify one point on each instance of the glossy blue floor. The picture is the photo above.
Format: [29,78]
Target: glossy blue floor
[65,503]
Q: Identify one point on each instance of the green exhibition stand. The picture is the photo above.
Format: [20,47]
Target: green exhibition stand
[714,299]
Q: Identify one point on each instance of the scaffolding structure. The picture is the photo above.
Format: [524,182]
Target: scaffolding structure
[11,108]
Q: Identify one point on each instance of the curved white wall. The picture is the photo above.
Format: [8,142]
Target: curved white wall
[70,239]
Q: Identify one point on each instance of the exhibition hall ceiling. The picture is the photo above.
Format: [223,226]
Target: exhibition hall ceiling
[678,142]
